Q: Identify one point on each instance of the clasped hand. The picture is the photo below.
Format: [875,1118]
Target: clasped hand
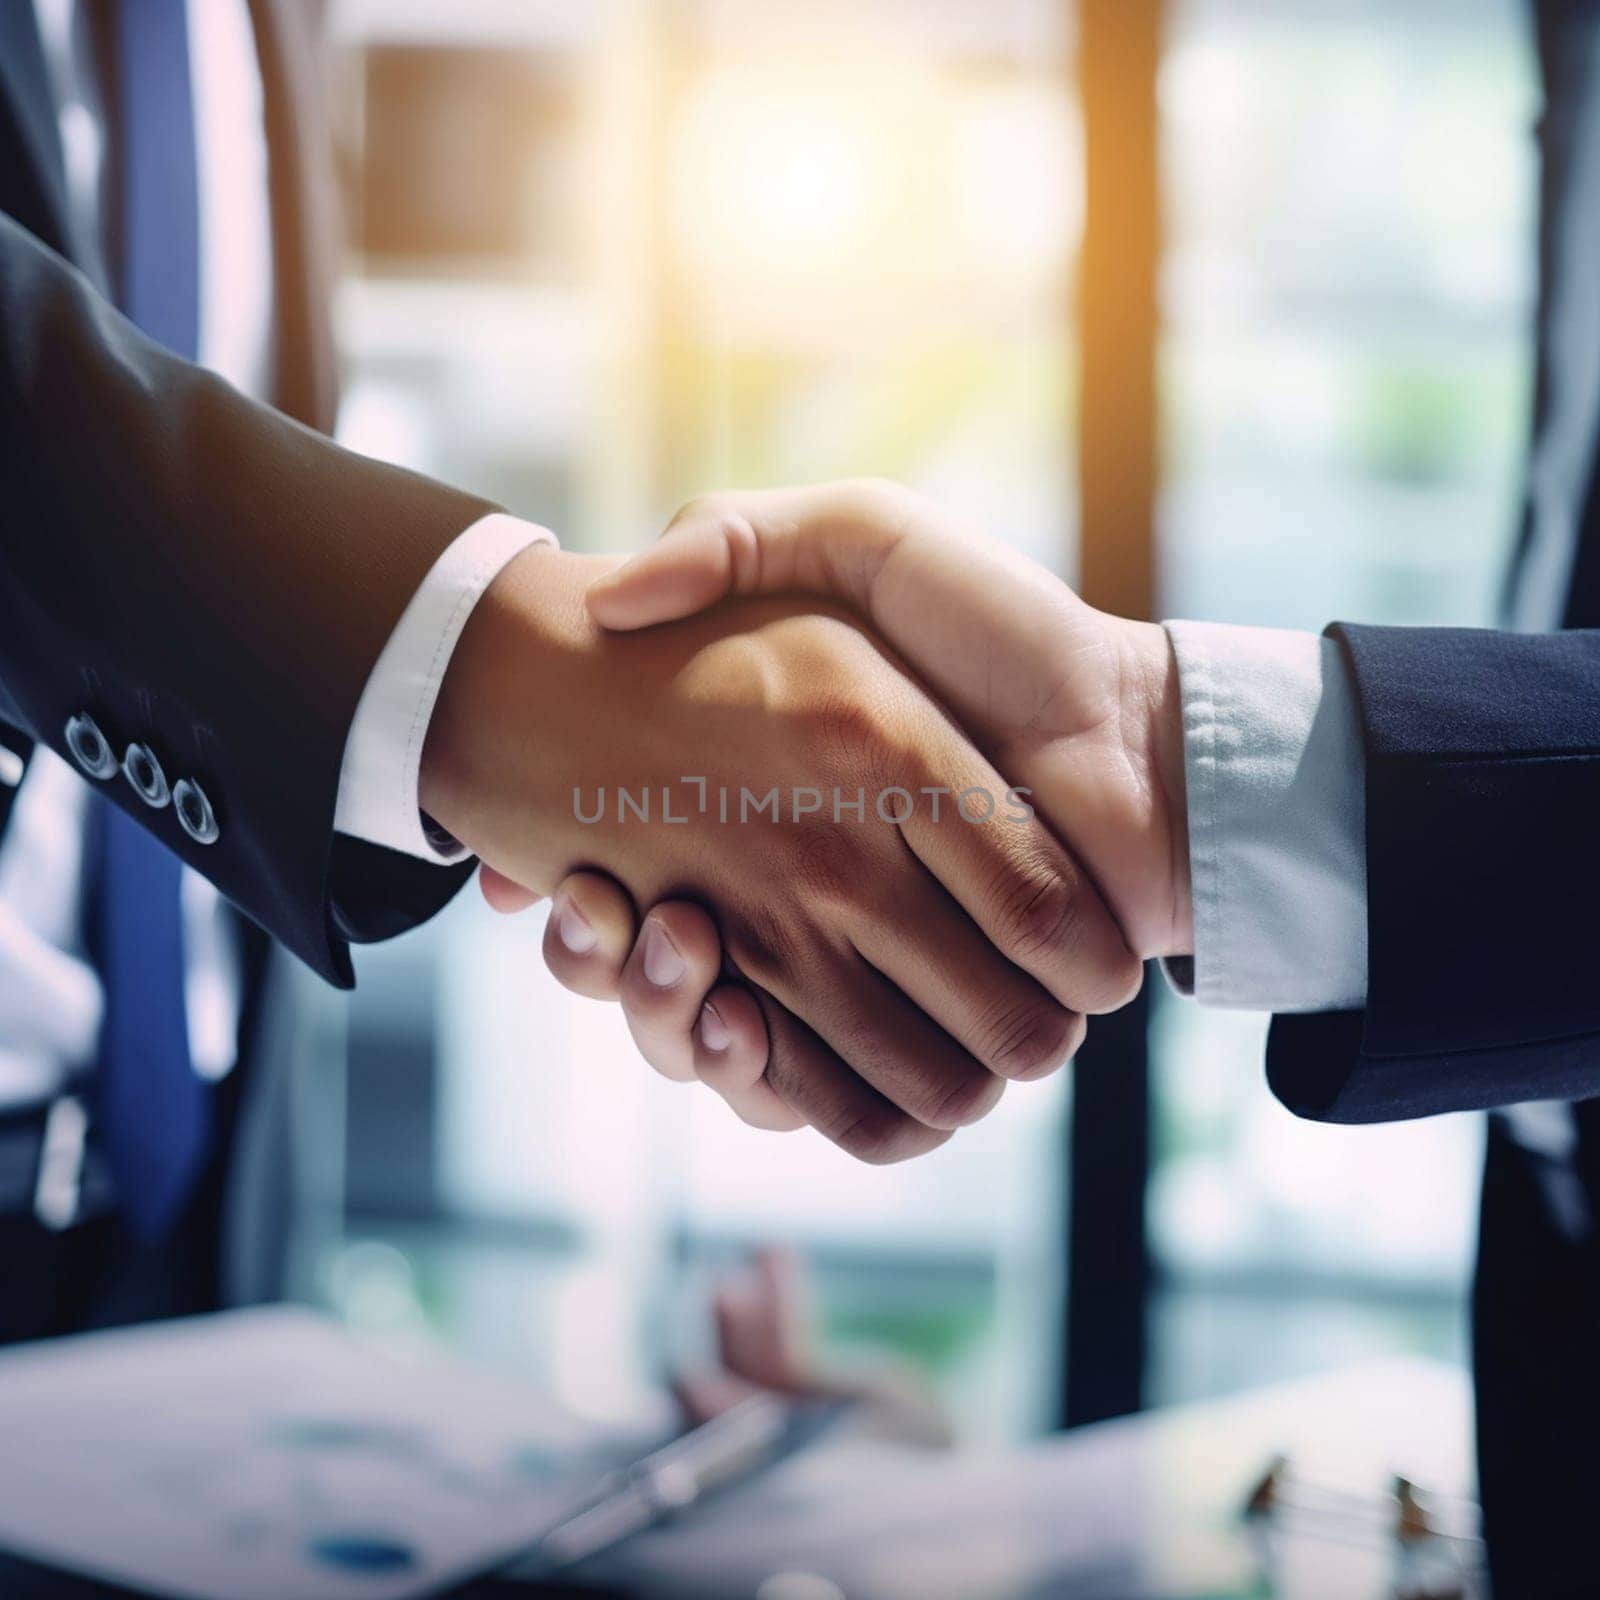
[866,954]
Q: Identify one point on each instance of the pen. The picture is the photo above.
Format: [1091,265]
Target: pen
[729,1449]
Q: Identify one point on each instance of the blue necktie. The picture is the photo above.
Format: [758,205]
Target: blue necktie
[160,190]
[154,1114]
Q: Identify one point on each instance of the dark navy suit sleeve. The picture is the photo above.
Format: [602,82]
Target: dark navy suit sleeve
[1483,882]
[198,574]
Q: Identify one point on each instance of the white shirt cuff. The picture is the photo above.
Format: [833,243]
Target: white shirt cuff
[1277,813]
[378,781]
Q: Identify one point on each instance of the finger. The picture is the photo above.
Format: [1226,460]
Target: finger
[720,1038]
[1026,894]
[933,952]
[763,1333]
[505,894]
[810,1078]
[911,1060]
[872,1032]
[828,539]
[674,965]
[730,1056]
[589,934]
[819,982]
[789,1311]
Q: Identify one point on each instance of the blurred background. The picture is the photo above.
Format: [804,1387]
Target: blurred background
[605,254]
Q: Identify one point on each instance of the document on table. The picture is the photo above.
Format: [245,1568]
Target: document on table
[264,1454]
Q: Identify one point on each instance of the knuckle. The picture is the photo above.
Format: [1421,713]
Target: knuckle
[845,731]
[969,1101]
[743,547]
[723,515]
[872,739]
[1028,1039]
[700,508]
[1038,913]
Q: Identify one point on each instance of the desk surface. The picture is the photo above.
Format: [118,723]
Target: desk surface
[1146,1508]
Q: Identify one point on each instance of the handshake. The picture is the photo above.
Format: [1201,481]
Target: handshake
[898,808]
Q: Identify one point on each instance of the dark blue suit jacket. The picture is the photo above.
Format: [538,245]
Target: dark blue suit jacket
[194,571]
[1483,858]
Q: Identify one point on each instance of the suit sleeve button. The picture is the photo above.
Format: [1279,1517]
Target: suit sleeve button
[89,747]
[195,815]
[143,771]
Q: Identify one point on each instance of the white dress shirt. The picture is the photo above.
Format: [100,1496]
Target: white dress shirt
[50,995]
[1275,774]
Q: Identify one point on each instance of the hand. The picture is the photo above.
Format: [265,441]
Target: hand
[767,1343]
[766,1330]
[899,972]
[1078,706]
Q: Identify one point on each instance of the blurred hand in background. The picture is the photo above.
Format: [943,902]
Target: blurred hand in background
[767,1342]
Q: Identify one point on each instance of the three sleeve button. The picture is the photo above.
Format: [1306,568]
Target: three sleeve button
[89,747]
[143,771]
[92,751]
[195,815]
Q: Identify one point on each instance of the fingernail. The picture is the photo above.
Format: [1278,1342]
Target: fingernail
[573,929]
[714,1032]
[663,966]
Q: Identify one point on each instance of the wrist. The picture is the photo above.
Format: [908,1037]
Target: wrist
[523,643]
